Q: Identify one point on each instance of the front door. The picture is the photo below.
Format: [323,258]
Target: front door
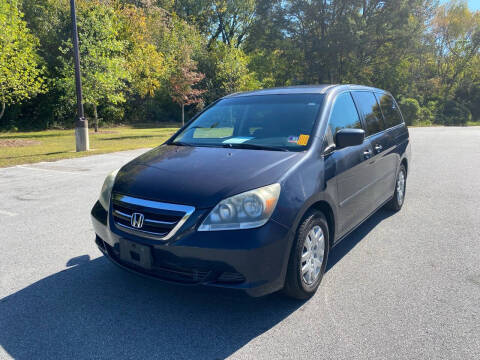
[379,141]
[353,167]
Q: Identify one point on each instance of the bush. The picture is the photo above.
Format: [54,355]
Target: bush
[426,116]
[455,113]
[469,95]
[411,110]
[110,115]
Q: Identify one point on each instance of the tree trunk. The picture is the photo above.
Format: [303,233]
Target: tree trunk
[3,110]
[183,114]
[95,115]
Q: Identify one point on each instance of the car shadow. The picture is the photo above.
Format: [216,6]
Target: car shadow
[349,242]
[127,137]
[93,309]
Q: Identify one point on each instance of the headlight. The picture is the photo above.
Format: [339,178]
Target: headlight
[247,210]
[107,190]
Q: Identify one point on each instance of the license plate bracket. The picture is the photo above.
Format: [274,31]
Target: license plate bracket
[135,253]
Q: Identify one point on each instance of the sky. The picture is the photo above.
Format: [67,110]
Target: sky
[472,4]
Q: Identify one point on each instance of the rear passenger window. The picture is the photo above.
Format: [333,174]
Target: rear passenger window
[344,114]
[391,113]
[369,108]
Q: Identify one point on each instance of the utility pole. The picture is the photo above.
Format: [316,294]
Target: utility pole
[81,124]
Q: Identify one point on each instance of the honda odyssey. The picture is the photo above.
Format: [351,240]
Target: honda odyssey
[256,189]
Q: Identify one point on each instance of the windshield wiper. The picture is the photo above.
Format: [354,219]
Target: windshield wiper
[180,143]
[254,146]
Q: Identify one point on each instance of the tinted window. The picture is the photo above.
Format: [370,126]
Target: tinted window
[391,113]
[344,114]
[284,121]
[369,108]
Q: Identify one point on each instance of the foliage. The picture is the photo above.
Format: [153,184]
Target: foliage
[145,63]
[226,70]
[182,83]
[103,64]
[455,113]
[20,73]
[225,20]
[141,58]
[410,110]
[457,42]
[428,113]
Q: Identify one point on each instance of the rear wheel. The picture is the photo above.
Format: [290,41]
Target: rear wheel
[308,258]
[398,198]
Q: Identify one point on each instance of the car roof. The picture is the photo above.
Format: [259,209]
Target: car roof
[303,89]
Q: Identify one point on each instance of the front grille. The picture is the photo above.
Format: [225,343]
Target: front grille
[160,220]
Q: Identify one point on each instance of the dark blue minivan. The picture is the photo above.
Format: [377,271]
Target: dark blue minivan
[255,190]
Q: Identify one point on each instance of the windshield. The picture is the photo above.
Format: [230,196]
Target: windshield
[265,122]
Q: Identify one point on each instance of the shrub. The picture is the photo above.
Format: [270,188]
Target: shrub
[111,114]
[455,113]
[426,115]
[411,110]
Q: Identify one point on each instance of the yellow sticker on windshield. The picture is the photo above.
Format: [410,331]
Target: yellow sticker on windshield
[303,139]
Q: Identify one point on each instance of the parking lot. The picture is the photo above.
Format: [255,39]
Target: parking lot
[402,286]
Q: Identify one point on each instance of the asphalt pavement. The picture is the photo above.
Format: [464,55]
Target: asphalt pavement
[402,286]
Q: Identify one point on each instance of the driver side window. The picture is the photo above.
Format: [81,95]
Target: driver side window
[344,115]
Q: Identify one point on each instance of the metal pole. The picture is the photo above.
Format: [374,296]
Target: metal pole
[81,124]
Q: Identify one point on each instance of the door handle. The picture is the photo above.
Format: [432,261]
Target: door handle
[367,154]
[378,148]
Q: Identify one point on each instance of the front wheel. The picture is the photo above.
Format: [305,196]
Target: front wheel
[309,257]
[398,198]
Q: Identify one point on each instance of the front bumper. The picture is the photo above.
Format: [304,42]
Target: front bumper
[254,260]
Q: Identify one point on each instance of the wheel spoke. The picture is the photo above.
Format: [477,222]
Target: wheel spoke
[321,244]
[308,242]
[305,256]
[309,275]
[305,268]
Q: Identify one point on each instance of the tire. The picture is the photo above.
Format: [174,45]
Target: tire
[396,202]
[303,284]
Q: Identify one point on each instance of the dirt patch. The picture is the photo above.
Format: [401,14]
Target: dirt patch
[18,142]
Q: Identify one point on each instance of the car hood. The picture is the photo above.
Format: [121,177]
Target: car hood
[201,176]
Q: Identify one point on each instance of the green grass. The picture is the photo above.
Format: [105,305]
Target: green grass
[29,147]
[430,124]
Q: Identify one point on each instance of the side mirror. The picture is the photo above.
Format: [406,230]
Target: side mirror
[349,137]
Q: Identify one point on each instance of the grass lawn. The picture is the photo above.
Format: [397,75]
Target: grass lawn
[30,147]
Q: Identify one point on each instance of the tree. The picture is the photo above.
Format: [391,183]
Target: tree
[457,43]
[225,20]
[182,83]
[455,113]
[102,52]
[226,70]
[138,55]
[147,66]
[410,110]
[20,73]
